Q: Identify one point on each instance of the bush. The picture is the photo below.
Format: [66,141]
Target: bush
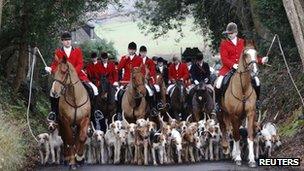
[98,46]
[12,149]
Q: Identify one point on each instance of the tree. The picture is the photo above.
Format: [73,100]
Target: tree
[295,16]
[39,22]
[98,46]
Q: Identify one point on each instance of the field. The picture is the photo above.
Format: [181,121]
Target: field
[122,31]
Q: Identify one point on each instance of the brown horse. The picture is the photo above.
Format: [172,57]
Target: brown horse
[74,111]
[239,103]
[160,82]
[134,104]
[202,101]
[105,101]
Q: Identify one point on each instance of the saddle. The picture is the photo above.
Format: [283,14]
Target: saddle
[226,80]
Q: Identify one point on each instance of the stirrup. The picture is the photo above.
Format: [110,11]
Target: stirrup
[217,108]
[52,117]
[98,115]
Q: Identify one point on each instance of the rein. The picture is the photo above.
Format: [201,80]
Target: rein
[244,97]
[75,106]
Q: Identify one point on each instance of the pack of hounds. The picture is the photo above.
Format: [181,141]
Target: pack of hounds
[146,143]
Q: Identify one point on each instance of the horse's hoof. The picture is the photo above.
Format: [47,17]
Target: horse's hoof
[73,167]
[238,162]
[252,164]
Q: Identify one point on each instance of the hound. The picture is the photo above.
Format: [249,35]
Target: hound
[44,147]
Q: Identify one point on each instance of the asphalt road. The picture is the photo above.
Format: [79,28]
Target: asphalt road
[203,166]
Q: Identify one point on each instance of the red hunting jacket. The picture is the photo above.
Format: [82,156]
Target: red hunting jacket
[95,71]
[75,58]
[230,54]
[127,64]
[181,73]
[150,66]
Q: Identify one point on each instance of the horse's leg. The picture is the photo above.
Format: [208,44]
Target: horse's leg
[223,127]
[250,128]
[236,152]
[68,142]
[84,125]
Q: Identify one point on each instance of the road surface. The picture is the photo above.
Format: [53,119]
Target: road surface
[202,166]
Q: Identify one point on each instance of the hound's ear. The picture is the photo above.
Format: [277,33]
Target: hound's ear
[46,137]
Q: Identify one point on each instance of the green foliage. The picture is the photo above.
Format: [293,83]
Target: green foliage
[98,46]
[273,16]
[290,127]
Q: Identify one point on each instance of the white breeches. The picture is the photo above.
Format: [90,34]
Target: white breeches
[95,89]
[218,82]
[169,88]
[149,90]
[190,87]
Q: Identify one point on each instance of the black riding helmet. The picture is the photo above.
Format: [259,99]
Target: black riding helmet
[66,35]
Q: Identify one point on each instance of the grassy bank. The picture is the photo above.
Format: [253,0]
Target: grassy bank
[17,147]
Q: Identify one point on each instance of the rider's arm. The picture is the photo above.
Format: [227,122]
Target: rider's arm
[185,72]
[225,56]
[55,60]
[152,71]
[121,63]
[170,72]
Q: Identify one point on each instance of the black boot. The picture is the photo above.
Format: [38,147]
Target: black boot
[152,105]
[218,96]
[257,91]
[53,115]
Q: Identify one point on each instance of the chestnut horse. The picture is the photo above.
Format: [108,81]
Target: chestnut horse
[74,111]
[239,103]
[134,104]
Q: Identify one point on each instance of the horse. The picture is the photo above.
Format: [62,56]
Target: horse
[238,103]
[134,104]
[178,101]
[105,101]
[74,111]
[202,101]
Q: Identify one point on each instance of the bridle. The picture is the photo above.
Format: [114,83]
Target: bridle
[247,65]
[67,76]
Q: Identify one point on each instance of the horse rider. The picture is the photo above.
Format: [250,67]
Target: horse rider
[200,72]
[230,52]
[162,69]
[93,70]
[125,65]
[75,57]
[178,71]
[150,75]
[108,69]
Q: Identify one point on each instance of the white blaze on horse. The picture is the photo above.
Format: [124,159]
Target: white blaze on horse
[74,111]
[239,103]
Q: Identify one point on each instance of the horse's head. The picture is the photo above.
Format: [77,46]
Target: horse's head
[138,82]
[249,61]
[62,76]
[182,91]
[103,86]
[201,91]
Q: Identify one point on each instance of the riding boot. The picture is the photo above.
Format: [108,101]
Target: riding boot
[158,101]
[218,96]
[257,91]
[53,115]
[118,110]
[152,105]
